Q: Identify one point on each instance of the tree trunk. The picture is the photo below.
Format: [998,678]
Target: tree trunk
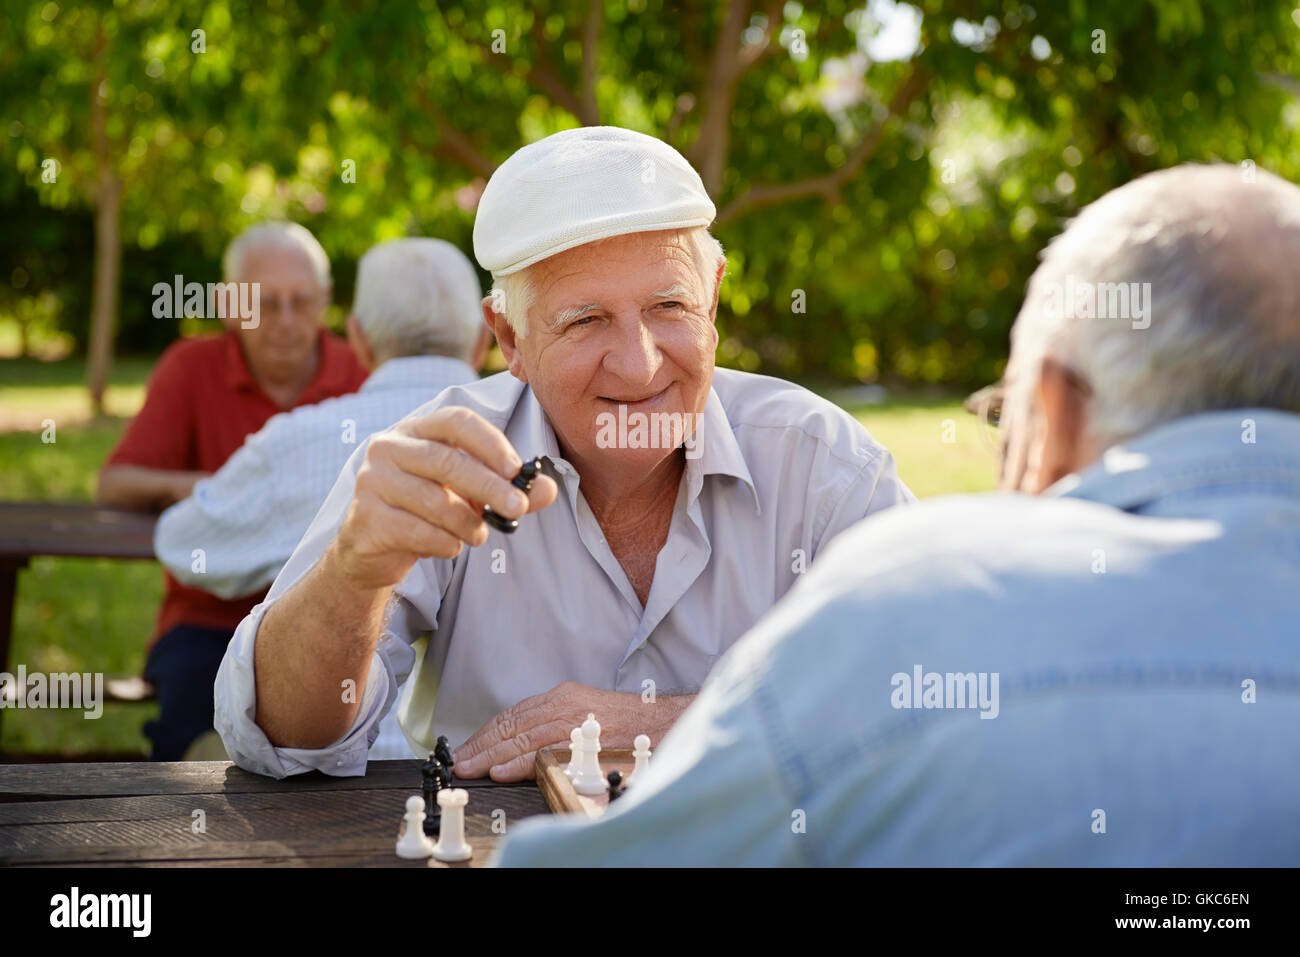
[710,149]
[108,242]
[108,270]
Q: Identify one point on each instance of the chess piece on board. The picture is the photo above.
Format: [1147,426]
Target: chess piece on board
[436,778]
[452,846]
[413,845]
[442,751]
[640,753]
[616,784]
[575,752]
[588,780]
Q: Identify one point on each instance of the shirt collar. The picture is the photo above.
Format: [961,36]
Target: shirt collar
[535,435]
[412,372]
[718,451]
[237,374]
[333,371]
[1233,447]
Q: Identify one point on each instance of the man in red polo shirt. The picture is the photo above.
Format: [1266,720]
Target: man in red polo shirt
[204,397]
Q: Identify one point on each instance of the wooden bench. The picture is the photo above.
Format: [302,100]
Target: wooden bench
[32,529]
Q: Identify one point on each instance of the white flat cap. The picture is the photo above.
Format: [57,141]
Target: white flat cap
[579,186]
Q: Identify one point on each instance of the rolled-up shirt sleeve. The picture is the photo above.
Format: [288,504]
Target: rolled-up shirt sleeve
[235,690]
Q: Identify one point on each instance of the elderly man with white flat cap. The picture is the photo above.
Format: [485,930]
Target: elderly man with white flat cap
[676,502]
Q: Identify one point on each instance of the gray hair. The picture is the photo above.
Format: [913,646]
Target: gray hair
[514,294]
[418,297]
[276,235]
[1212,251]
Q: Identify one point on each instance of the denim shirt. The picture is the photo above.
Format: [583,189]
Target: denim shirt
[1116,683]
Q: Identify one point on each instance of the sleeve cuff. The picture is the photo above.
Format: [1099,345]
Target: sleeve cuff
[235,694]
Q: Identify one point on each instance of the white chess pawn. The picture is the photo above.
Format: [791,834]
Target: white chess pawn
[575,752]
[413,845]
[640,754]
[452,846]
[589,780]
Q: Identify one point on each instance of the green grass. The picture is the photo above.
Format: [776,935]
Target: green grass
[32,390]
[917,433]
[60,471]
[97,615]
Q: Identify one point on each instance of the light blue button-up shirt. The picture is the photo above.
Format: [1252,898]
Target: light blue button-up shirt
[778,474]
[1117,682]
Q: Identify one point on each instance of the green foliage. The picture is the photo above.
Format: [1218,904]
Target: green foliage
[1012,116]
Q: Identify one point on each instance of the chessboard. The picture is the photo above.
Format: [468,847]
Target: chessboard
[558,790]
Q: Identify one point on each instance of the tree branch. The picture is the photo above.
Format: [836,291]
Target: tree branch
[590,115]
[452,143]
[828,185]
[681,109]
[542,74]
[752,55]
[712,144]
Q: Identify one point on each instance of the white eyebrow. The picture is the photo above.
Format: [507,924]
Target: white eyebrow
[565,316]
[675,291]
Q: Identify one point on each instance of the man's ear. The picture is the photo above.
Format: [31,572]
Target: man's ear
[496,321]
[1064,445]
[717,289]
[481,347]
[360,344]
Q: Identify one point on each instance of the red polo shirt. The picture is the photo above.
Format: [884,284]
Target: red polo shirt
[201,403]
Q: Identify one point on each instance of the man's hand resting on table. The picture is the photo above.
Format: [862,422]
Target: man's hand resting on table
[505,747]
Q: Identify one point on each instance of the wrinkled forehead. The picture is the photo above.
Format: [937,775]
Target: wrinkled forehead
[279,266]
[632,265]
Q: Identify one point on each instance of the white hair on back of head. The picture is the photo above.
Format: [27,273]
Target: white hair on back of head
[514,293]
[1223,310]
[275,235]
[418,297]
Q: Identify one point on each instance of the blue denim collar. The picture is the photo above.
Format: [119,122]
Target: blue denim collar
[1231,448]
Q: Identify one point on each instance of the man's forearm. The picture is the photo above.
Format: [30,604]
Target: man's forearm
[312,657]
[136,486]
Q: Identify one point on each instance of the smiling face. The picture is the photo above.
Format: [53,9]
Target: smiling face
[626,321]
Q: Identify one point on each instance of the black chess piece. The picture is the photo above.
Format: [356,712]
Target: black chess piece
[524,482]
[435,777]
[442,751]
[616,785]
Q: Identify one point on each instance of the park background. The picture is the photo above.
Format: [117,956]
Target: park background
[885,173]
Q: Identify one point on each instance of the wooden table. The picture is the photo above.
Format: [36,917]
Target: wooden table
[141,814]
[30,529]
